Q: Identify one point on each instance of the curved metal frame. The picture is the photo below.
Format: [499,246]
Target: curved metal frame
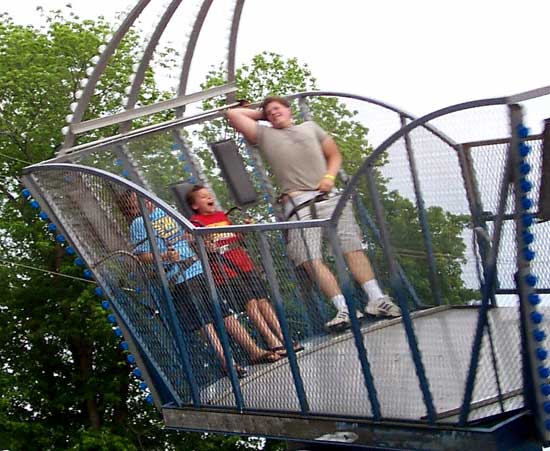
[146,59]
[231,50]
[191,45]
[100,67]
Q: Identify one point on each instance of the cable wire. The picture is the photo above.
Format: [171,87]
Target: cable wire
[7,264]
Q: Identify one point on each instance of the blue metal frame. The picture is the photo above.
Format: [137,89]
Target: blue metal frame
[219,323]
[176,329]
[347,290]
[279,309]
[423,217]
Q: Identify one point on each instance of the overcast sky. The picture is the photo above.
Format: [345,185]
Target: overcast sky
[419,56]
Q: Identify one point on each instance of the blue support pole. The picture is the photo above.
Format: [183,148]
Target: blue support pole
[218,321]
[347,290]
[176,329]
[279,309]
[399,291]
[423,217]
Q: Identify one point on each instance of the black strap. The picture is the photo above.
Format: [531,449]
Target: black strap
[309,203]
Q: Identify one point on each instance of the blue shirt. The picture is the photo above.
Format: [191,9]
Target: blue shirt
[168,233]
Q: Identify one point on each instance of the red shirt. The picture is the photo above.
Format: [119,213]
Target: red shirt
[237,256]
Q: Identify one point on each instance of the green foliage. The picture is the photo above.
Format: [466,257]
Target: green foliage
[64,381]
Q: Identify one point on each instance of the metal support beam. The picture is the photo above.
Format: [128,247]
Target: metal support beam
[159,107]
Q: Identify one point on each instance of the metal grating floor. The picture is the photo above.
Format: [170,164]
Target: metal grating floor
[334,383]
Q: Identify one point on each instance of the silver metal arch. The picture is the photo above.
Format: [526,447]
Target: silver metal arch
[145,60]
[387,106]
[231,51]
[99,69]
[422,121]
[191,45]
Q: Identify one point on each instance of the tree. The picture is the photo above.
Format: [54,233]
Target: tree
[65,383]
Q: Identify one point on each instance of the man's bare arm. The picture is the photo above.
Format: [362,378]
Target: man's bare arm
[334,163]
[245,121]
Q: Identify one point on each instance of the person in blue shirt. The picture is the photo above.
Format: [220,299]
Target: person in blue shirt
[188,283]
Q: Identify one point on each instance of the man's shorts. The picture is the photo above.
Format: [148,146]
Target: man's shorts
[306,244]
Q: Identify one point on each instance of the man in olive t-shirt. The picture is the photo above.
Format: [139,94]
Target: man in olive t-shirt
[305,161]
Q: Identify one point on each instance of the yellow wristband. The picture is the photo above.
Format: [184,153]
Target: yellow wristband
[329,176]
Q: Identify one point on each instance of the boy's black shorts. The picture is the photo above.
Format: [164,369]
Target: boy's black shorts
[193,303]
[246,286]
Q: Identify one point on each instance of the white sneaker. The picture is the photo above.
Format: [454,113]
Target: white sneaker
[383,306]
[340,320]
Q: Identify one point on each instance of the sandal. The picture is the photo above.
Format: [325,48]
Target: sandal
[266,357]
[279,350]
[241,372]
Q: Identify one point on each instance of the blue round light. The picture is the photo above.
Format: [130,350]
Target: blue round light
[124,346]
[98,291]
[536,317]
[149,399]
[541,353]
[26,192]
[524,149]
[43,215]
[539,335]
[143,385]
[87,274]
[106,304]
[175,146]
[34,204]
[523,131]
[131,359]
[181,157]
[69,250]
[528,254]
[534,298]
[528,237]
[526,219]
[52,227]
[118,162]
[125,173]
[525,168]
[545,389]
[117,331]
[79,262]
[60,238]
[531,280]
[525,185]
[546,406]
[544,372]
[111,318]
[526,203]
[137,373]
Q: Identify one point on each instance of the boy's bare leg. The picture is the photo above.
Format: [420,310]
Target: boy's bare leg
[262,323]
[242,337]
[211,336]
[268,312]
